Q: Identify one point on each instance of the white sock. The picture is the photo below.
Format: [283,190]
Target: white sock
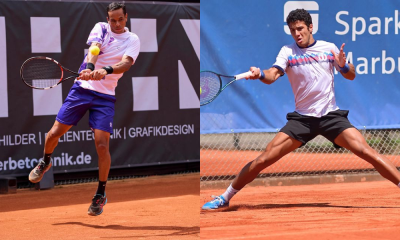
[229,193]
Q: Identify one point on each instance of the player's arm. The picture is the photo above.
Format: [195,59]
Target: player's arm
[124,65]
[90,63]
[118,68]
[93,58]
[270,75]
[346,69]
[351,74]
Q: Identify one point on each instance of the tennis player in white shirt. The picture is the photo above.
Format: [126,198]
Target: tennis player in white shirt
[94,91]
[309,65]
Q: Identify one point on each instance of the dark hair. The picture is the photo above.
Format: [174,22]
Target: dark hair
[299,15]
[115,6]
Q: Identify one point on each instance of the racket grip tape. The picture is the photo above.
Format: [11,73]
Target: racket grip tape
[243,75]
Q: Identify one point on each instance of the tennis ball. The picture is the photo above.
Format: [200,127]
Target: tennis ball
[94,50]
[200,90]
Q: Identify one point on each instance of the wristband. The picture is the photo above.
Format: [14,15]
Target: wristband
[262,75]
[90,66]
[109,69]
[345,68]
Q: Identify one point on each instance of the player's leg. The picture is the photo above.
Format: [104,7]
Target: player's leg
[352,140]
[102,140]
[297,132]
[54,135]
[72,110]
[281,145]
[101,117]
[50,144]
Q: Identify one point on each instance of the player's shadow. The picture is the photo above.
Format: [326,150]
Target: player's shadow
[294,205]
[177,231]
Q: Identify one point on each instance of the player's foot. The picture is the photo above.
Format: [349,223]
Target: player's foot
[96,208]
[37,173]
[218,203]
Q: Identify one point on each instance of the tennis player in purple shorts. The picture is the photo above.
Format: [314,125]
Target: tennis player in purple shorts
[309,65]
[94,91]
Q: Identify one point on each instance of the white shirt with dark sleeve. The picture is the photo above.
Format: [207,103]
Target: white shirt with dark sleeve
[310,72]
[113,48]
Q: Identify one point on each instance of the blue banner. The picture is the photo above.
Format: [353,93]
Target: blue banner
[237,34]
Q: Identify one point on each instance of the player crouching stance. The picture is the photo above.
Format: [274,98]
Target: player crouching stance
[309,65]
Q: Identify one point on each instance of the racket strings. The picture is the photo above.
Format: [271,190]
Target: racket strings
[41,73]
[210,84]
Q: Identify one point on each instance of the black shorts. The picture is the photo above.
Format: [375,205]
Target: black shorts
[305,128]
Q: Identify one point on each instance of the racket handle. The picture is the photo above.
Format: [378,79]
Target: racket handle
[243,75]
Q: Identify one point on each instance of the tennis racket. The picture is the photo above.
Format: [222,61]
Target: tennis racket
[211,84]
[44,73]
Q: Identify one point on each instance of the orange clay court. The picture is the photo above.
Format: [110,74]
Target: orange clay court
[349,211]
[158,207]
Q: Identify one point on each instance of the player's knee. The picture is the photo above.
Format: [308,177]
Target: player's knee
[366,150]
[265,159]
[53,134]
[102,147]
[369,153]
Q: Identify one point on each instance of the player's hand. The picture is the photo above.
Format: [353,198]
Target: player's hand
[98,74]
[256,73]
[84,75]
[341,57]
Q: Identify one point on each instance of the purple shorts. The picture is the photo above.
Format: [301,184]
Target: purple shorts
[80,100]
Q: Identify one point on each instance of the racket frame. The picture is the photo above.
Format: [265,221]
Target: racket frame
[234,79]
[74,74]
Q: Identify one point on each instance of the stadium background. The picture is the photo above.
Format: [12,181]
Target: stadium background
[246,116]
[157,109]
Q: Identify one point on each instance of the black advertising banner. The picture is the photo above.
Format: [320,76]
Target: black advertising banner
[157,109]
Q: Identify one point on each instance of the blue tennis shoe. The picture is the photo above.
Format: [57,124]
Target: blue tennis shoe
[218,203]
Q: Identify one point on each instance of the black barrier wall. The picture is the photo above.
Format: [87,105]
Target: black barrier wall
[157,109]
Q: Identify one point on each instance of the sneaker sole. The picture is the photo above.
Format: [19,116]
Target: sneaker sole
[97,214]
[214,209]
[38,180]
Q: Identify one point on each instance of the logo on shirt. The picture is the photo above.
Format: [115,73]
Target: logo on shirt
[310,6]
[296,60]
[112,39]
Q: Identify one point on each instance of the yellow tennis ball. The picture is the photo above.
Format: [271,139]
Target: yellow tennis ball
[94,50]
[200,90]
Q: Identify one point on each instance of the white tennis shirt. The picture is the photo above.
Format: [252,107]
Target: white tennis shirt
[113,48]
[310,72]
